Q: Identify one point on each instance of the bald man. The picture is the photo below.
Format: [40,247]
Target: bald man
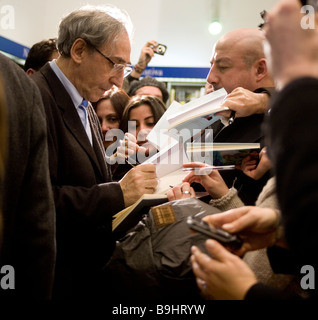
[239,66]
[238,60]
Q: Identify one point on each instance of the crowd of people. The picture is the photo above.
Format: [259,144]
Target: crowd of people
[64,171]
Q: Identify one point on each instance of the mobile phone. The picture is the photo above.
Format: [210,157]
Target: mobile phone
[225,238]
[159,49]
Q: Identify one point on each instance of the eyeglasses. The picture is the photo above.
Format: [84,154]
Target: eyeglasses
[117,66]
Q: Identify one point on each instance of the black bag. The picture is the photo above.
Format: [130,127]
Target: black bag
[153,260]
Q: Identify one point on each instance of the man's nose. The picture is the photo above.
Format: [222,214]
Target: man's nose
[213,79]
[117,79]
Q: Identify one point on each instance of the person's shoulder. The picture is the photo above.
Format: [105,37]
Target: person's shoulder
[8,64]
[11,72]
[17,83]
[43,79]
[297,86]
[38,76]
[286,102]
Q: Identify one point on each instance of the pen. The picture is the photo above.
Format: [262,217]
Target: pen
[209,168]
[131,161]
[232,117]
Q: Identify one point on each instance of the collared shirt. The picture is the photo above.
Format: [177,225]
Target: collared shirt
[77,99]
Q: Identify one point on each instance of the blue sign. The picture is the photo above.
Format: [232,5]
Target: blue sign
[13,48]
[176,72]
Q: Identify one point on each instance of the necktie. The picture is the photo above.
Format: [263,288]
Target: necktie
[84,119]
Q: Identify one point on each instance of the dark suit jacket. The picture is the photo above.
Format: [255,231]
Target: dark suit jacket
[85,197]
[247,129]
[293,148]
[28,206]
[292,139]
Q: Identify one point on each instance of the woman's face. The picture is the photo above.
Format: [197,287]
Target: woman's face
[108,118]
[145,121]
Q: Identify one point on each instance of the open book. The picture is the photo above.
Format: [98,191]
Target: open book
[169,173]
[157,136]
[129,217]
[198,114]
[169,163]
[194,116]
[222,154]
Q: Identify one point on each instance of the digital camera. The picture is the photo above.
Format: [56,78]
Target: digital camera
[159,49]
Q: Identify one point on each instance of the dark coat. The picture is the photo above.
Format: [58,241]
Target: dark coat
[248,129]
[85,197]
[28,206]
[242,130]
[293,149]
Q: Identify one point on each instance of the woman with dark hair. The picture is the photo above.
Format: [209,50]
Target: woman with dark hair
[139,117]
[143,103]
[109,110]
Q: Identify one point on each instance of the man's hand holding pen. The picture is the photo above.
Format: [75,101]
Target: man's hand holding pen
[139,180]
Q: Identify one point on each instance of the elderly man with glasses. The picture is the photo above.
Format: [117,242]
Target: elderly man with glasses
[94,48]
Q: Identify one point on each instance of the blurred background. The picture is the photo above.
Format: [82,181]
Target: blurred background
[184,26]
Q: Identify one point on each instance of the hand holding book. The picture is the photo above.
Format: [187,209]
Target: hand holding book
[244,103]
[256,169]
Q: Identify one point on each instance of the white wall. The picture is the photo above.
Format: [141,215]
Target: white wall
[180,24]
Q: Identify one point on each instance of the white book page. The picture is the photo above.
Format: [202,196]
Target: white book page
[170,180]
[157,136]
[169,163]
[207,104]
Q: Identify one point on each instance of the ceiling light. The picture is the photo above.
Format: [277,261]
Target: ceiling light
[215,27]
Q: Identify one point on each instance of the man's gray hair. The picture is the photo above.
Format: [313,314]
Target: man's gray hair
[98,25]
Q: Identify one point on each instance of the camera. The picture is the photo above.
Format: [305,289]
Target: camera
[263,16]
[159,49]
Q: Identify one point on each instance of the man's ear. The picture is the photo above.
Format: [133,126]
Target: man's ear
[78,49]
[261,69]
[30,71]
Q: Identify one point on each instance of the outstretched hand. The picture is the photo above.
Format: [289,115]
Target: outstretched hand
[181,192]
[257,227]
[256,169]
[212,181]
[223,277]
